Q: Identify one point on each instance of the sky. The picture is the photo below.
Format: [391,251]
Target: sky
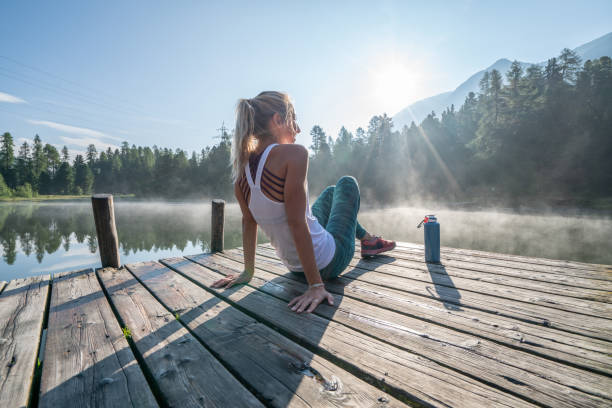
[170,73]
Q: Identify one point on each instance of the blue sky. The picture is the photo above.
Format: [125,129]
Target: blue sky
[170,73]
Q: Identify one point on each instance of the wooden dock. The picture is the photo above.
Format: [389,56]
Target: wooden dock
[479,330]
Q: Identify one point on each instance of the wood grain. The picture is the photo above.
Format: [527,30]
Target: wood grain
[557,282]
[577,350]
[415,378]
[22,308]
[186,374]
[532,377]
[217,224]
[443,289]
[108,240]
[278,369]
[88,362]
[543,264]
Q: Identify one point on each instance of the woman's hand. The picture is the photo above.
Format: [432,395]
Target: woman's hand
[233,279]
[310,299]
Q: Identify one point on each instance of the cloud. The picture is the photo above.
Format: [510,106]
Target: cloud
[4,97]
[86,141]
[70,129]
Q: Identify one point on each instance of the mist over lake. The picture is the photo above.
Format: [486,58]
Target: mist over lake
[37,238]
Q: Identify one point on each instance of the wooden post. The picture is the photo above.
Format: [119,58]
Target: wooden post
[218,216]
[108,241]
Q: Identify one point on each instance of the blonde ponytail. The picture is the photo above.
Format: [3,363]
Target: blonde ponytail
[252,117]
[244,141]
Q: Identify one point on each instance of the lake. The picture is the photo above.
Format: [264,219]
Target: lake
[51,237]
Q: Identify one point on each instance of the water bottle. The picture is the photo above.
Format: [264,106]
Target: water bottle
[432,238]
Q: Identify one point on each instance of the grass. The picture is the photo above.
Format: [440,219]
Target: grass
[127,333]
[55,197]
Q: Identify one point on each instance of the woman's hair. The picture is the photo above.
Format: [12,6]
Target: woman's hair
[252,118]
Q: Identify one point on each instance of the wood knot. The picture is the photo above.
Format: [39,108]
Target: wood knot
[106,381]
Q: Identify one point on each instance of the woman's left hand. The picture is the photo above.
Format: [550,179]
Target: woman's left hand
[233,279]
[310,299]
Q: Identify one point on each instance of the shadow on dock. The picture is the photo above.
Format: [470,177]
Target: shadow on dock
[444,287]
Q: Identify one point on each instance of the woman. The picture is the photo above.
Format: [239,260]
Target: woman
[269,174]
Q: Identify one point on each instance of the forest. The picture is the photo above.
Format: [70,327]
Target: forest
[544,133]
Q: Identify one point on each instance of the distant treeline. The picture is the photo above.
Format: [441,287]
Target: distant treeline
[543,133]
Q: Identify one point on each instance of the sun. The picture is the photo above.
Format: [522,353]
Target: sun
[394,85]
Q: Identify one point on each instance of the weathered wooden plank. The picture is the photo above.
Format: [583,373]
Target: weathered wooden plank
[506,368]
[186,374]
[270,363]
[464,271]
[541,264]
[561,346]
[577,286]
[417,378]
[88,362]
[447,294]
[584,284]
[22,308]
[553,282]
[592,333]
[439,276]
[468,271]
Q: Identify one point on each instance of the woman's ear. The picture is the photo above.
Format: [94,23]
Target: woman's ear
[277,120]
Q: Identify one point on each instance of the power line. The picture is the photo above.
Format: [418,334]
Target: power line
[60,90]
[114,98]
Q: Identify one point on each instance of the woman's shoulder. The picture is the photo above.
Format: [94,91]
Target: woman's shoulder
[292,151]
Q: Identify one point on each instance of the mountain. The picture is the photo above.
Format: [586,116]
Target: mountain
[419,110]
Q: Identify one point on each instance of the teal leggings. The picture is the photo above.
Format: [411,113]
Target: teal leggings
[336,210]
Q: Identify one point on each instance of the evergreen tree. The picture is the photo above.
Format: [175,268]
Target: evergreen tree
[319,139]
[64,179]
[24,165]
[65,155]
[92,154]
[514,75]
[7,159]
[39,162]
[83,176]
[5,191]
[569,65]
[53,159]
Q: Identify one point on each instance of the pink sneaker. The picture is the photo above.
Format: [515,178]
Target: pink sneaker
[375,246]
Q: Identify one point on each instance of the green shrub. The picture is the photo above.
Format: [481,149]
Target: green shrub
[5,191]
[24,190]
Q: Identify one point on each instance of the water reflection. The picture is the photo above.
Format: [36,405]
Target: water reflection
[38,230]
[51,237]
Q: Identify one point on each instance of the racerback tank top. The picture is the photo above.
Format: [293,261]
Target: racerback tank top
[272,218]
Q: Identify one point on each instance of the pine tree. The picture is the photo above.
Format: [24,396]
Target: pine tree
[319,139]
[569,65]
[64,179]
[65,155]
[24,165]
[83,177]
[92,154]
[7,159]
[5,191]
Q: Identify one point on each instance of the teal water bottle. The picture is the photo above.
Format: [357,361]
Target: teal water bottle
[432,238]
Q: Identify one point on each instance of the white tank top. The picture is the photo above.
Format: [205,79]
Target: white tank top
[272,218]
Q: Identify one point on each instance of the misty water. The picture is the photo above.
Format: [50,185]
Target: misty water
[51,237]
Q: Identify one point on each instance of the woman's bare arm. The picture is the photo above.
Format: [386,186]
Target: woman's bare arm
[249,242]
[295,207]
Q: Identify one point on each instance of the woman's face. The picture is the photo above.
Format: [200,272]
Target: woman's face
[283,132]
